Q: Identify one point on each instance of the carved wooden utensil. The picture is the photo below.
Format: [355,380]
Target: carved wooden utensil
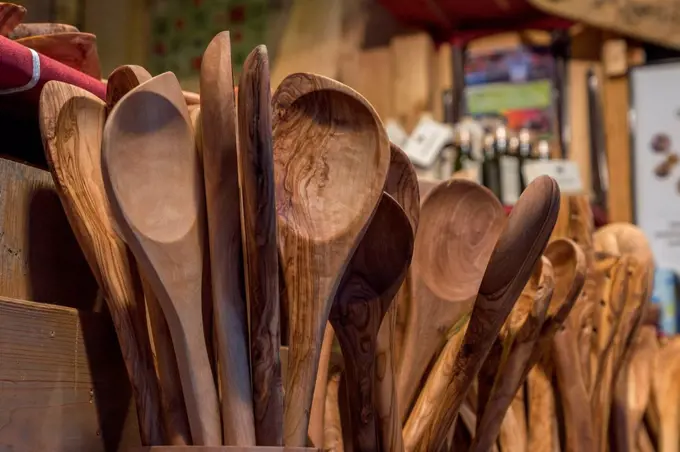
[37,29]
[333,441]
[317,412]
[220,171]
[371,280]
[331,157]
[461,222]
[77,50]
[503,372]
[121,81]
[71,124]
[11,15]
[152,177]
[260,252]
[666,393]
[521,244]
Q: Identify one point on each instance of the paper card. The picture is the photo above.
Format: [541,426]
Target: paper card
[510,181]
[565,172]
[427,141]
[396,133]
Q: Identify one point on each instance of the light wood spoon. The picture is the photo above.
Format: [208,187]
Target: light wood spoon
[152,178]
[331,156]
[461,222]
[373,277]
[220,171]
[121,81]
[521,244]
[71,124]
[260,252]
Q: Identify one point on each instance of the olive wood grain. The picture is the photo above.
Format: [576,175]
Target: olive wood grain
[121,81]
[666,393]
[152,178]
[35,29]
[220,172]
[331,157]
[260,252]
[11,15]
[503,373]
[318,409]
[461,222]
[541,409]
[332,428]
[71,124]
[74,49]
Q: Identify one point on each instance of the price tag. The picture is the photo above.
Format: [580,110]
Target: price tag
[427,141]
[396,133]
[565,173]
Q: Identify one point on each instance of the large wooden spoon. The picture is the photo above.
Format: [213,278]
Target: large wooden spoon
[461,222]
[506,369]
[71,123]
[152,178]
[121,81]
[373,277]
[220,171]
[521,244]
[331,156]
[260,252]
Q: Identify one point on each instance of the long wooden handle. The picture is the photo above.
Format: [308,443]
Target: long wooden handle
[332,428]
[542,411]
[317,413]
[387,407]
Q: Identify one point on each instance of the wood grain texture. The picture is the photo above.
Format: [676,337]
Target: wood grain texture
[137,170]
[331,157]
[36,29]
[224,449]
[77,50]
[220,171]
[10,16]
[373,276]
[666,393]
[317,411]
[506,371]
[522,242]
[120,82]
[260,251]
[40,257]
[64,383]
[71,124]
[461,222]
[543,435]
[402,185]
[332,429]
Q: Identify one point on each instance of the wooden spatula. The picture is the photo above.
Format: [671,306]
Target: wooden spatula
[152,178]
[71,124]
[220,171]
[260,252]
[331,157]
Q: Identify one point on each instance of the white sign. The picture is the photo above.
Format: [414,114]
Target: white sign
[565,173]
[427,141]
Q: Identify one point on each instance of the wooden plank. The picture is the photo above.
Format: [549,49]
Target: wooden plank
[40,259]
[63,385]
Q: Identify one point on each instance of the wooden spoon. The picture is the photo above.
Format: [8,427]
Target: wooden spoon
[666,393]
[121,81]
[506,370]
[71,123]
[77,50]
[461,222]
[373,277]
[260,252]
[220,171]
[521,244]
[332,432]
[317,411]
[331,157]
[11,15]
[152,178]
[37,29]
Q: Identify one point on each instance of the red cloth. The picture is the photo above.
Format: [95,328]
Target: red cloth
[16,70]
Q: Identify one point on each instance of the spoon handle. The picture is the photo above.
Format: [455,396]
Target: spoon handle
[332,429]
[387,408]
[541,408]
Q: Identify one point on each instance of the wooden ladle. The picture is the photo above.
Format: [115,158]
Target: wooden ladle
[373,277]
[331,156]
[461,222]
[121,81]
[152,177]
[71,124]
[521,244]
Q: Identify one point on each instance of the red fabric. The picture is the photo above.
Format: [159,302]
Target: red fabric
[16,68]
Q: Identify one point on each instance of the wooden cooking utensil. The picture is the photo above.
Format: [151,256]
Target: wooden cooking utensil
[503,372]
[461,222]
[402,185]
[317,411]
[260,252]
[220,171]
[77,50]
[373,277]
[71,124]
[152,178]
[521,244]
[11,15]
[666,393]
[332,434]
[37,29]
[331,157]
[121,81]
[543,435]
